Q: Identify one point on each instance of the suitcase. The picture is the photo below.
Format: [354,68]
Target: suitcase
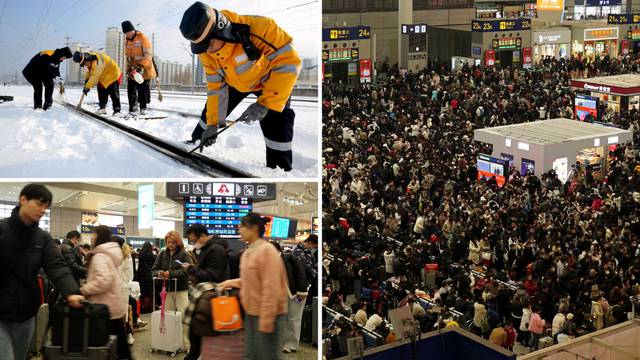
[91,316]
[69,329]
[545,342]
[314,321]
[166,334]
[306,329]
[40,334]
[106,352]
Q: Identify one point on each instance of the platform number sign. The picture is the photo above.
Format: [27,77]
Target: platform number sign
[346,33]
[500,25]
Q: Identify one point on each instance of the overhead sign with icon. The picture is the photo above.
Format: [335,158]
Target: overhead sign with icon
[550,5]
[346,33]
[255,191]
[623,19]
[501,25]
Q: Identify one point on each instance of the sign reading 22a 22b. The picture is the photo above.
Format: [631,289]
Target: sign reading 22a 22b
[500,25]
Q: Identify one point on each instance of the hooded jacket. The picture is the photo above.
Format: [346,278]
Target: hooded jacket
[104,280]
[73,260]
[274,73]
[45,65]
[23,251]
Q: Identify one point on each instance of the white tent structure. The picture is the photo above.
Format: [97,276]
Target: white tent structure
[557,144]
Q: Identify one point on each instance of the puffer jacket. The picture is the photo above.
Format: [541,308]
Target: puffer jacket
[166,261]
[104,280]
[273,74]
[103,71]
[23,251]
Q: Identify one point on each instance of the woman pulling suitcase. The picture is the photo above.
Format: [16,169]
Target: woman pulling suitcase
[103,284]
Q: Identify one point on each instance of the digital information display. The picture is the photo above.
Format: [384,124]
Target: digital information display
[623,18]
[280,228]
[586,105]
[221,215]
[413,28]
[489,167]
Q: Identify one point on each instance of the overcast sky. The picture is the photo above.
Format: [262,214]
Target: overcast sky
[29,26]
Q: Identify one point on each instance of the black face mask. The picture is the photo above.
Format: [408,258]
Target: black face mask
[235,33]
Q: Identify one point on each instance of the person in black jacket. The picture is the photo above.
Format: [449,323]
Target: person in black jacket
[71,253]
[24,249]
[211,266]
[298,291]
[41,70]
[146,259]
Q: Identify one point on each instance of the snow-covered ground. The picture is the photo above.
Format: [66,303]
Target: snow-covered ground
[61,143]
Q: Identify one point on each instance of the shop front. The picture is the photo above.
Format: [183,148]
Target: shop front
[501,42]
[617,92]
[346,54]
[558,145]
[555,43]
[590,43]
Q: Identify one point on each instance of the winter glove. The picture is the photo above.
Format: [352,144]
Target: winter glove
[209,136]
[255,112]
[85,91]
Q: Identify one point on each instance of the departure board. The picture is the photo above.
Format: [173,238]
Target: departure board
[221,215]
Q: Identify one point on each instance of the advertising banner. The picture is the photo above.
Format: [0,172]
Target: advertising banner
[490,57]
[365,70]
[526,58]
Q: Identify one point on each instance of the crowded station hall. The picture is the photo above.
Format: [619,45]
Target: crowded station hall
[522,258]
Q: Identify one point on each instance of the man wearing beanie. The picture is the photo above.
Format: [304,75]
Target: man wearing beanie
[139,55]
[104,72]
[41,70]
[243,55]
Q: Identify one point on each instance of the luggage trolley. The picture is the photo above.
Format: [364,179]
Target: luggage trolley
[166,331]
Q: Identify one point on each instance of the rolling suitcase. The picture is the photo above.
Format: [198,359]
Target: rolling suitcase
[40,334]
[166,326]
[66,349]
[91,316]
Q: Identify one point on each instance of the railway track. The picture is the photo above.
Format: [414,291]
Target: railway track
[200,163]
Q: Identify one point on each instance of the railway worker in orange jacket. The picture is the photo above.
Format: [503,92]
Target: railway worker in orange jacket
[104,72]
[243,55]
[139,55]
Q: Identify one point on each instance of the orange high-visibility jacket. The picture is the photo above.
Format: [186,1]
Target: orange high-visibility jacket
[274,73]
[103,71]
[139,53]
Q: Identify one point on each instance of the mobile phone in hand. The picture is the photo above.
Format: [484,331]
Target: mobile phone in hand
[178,261]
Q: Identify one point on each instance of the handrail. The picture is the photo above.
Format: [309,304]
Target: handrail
[337,315]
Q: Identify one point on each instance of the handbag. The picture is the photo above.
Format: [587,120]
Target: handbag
[225,313]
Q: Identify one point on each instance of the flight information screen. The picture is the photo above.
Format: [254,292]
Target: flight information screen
[221,215]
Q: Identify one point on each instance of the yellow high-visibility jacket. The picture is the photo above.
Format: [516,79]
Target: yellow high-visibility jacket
[274,73]
[138,53]
[103,71]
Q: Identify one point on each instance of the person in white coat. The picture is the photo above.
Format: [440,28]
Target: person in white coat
[126,272]
[557,324]
[524,324]
[388,261]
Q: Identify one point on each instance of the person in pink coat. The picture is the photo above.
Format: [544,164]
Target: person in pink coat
[536,327]
[104,282]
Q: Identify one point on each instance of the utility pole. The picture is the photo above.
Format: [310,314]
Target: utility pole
[193,73]
[66,66]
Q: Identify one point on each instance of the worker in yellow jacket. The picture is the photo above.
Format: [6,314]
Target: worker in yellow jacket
[243,55]
[139,52]
[104,72]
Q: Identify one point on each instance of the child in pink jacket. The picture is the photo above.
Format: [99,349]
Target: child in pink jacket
[104,282]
